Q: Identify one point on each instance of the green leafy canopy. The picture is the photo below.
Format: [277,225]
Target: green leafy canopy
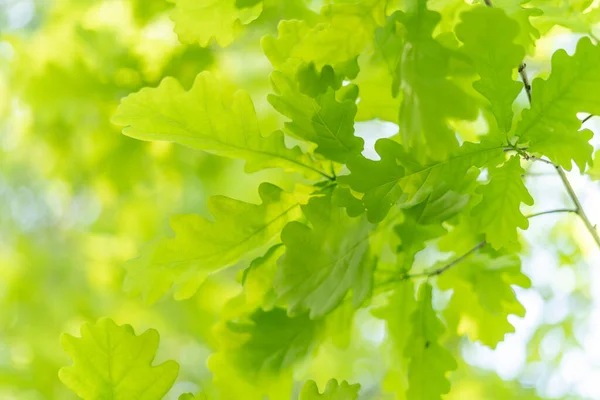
[347,230]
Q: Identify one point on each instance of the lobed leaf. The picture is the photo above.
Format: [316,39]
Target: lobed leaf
[488,35]
[399,179]
[111,362]
[429,361]
[333,391]
[204,118]
[498,215]
[483,296]
[323,263]
[201,247]
[551,127]
[199,21]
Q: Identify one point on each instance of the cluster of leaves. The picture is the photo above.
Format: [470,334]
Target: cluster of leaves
[345,230]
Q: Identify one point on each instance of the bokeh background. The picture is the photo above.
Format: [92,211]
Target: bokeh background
[77,199]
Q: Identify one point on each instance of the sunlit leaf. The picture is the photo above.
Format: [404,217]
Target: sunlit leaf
[111,362]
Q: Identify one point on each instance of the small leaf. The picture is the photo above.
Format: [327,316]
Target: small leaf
[111,362]
[198,21]
[482,296]
[399,179]
[429,361]
[333,391]
[551,127]
[498,215]
[488,34]
[323,120]
[250,346]
[323,263]
[594,171]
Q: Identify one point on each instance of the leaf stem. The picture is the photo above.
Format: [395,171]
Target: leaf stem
[446,267]
[439,271]
[525,79]
[586,119]
[563,176]
[578,208]
[557,211]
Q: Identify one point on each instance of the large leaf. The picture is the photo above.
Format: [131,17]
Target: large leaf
[198,21]
[323,120]
[400,306]
[482,296]
[379,78]
[323,262]
[488,34]
[201,247]
[398,179]
[333,391]
[498,215]
[111,362]
[551,127]
[430,98]
[429,361]
[206,119]
[257,352]
[522,12]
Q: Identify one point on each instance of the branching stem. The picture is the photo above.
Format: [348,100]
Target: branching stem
[563,177]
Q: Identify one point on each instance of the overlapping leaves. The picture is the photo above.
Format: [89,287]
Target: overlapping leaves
[205,118]
[482,296]
[551,126]
[201,247]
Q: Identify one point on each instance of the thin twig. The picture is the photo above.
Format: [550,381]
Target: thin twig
[588,224]
[563,176]
[525,79]
[586,119]
[557,211]
[446,267]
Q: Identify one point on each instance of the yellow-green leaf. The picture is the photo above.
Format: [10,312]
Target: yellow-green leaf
[201,247]
[498,215]
[204,118]
[111,362]
[198,21]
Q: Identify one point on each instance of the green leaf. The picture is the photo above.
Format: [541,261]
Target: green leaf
[190,396]
[323,263]
[429,361]
[413,237]
[111,362]
[498,215]
[201,247]
[430,98]
[482,296]
[343,197]
[400,306]
[204,118]
[198,21]
[321,120]
[259,277]
[576,15]
[594,171]
[250,346]
[399,179]
[488,34]
[528,33]
[335,42]
[333,391]
[551,127]
[379,79]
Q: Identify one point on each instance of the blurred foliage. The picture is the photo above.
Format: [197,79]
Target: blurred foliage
[78,199]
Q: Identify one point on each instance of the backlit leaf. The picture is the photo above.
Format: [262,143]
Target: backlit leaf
[111,362]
